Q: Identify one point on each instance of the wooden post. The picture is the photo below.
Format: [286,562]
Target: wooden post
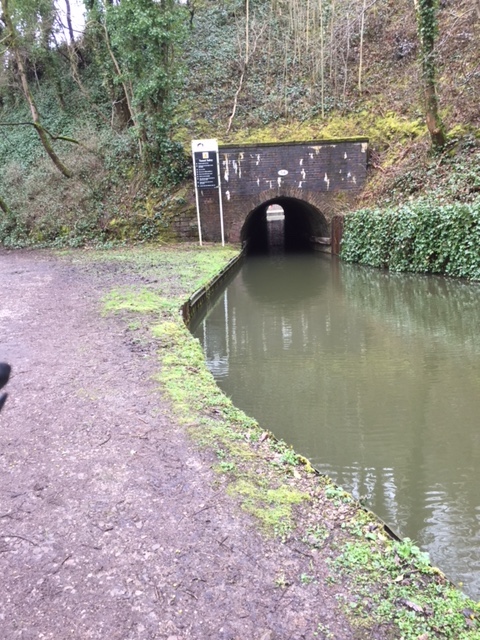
[336,234]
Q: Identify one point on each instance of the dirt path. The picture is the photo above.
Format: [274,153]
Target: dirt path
[111,523]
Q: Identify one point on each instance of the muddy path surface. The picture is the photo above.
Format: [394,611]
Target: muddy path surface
[112,525]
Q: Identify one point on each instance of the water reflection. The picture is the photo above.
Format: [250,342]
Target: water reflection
[375,377]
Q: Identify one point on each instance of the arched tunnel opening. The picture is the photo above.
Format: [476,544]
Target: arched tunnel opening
[283,225]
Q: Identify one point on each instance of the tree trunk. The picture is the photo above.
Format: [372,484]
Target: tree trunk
[69,22]
[427,31]
[433,119]
[346,56]
[362,30]
[322,61]
[127,106]
[12,41]
[244,66]
[247,30]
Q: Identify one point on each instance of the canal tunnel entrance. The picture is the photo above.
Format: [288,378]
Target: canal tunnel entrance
[284,225]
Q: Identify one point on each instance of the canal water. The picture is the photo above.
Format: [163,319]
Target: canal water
[375,377]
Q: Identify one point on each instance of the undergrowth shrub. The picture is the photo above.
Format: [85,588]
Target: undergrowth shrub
[46,208]
[421,237]
[108,199]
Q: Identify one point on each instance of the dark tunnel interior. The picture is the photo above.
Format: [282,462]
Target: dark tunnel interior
[270,233]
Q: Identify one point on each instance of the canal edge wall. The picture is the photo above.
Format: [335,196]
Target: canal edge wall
[195,304]
[202,296]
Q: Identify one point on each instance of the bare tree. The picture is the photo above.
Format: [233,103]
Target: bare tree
[249,51]
[362,29]
[322,61]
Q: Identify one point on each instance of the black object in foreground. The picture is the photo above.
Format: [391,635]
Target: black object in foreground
[5,370]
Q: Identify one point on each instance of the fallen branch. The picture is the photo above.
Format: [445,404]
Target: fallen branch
[109,437]
[12,535]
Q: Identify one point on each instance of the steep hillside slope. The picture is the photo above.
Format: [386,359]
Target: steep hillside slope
[289,72]
[388,108]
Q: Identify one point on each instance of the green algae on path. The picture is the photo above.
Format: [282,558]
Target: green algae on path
[387,588]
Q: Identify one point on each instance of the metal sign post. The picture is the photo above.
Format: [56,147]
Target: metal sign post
[206,171]
[196,199]
[220,203]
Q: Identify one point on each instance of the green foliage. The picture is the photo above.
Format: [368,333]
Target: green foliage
[415,604]
[316,535]
[282,80]
[337,495]
[226,467]
[46,209]
[142,34]
[137,301]
[407,551]
[182,77]
[273,507]
[211,51]
[170,164]
[136,46]
[451,176]
[289,457]
[35,21]
[421,236]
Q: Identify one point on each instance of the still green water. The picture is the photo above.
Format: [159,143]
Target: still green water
[375,377]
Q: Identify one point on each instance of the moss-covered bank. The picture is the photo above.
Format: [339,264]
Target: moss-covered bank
[387,587]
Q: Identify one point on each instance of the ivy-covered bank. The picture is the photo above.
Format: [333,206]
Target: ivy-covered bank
[420,236]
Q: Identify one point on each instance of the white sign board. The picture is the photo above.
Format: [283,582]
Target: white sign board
[206,171]
[205,162]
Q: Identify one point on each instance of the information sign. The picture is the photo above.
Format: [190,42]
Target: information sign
[206,169]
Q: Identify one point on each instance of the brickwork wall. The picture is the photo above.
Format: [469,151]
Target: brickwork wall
[252,175]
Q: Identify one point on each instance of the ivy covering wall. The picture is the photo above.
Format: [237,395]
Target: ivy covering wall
[421,237]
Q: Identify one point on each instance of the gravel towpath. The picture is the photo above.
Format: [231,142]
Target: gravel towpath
[112,526]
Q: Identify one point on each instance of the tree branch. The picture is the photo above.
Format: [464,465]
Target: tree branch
[37,126]
[249,52]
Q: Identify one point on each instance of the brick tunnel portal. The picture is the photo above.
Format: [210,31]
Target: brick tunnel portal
[295,232]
